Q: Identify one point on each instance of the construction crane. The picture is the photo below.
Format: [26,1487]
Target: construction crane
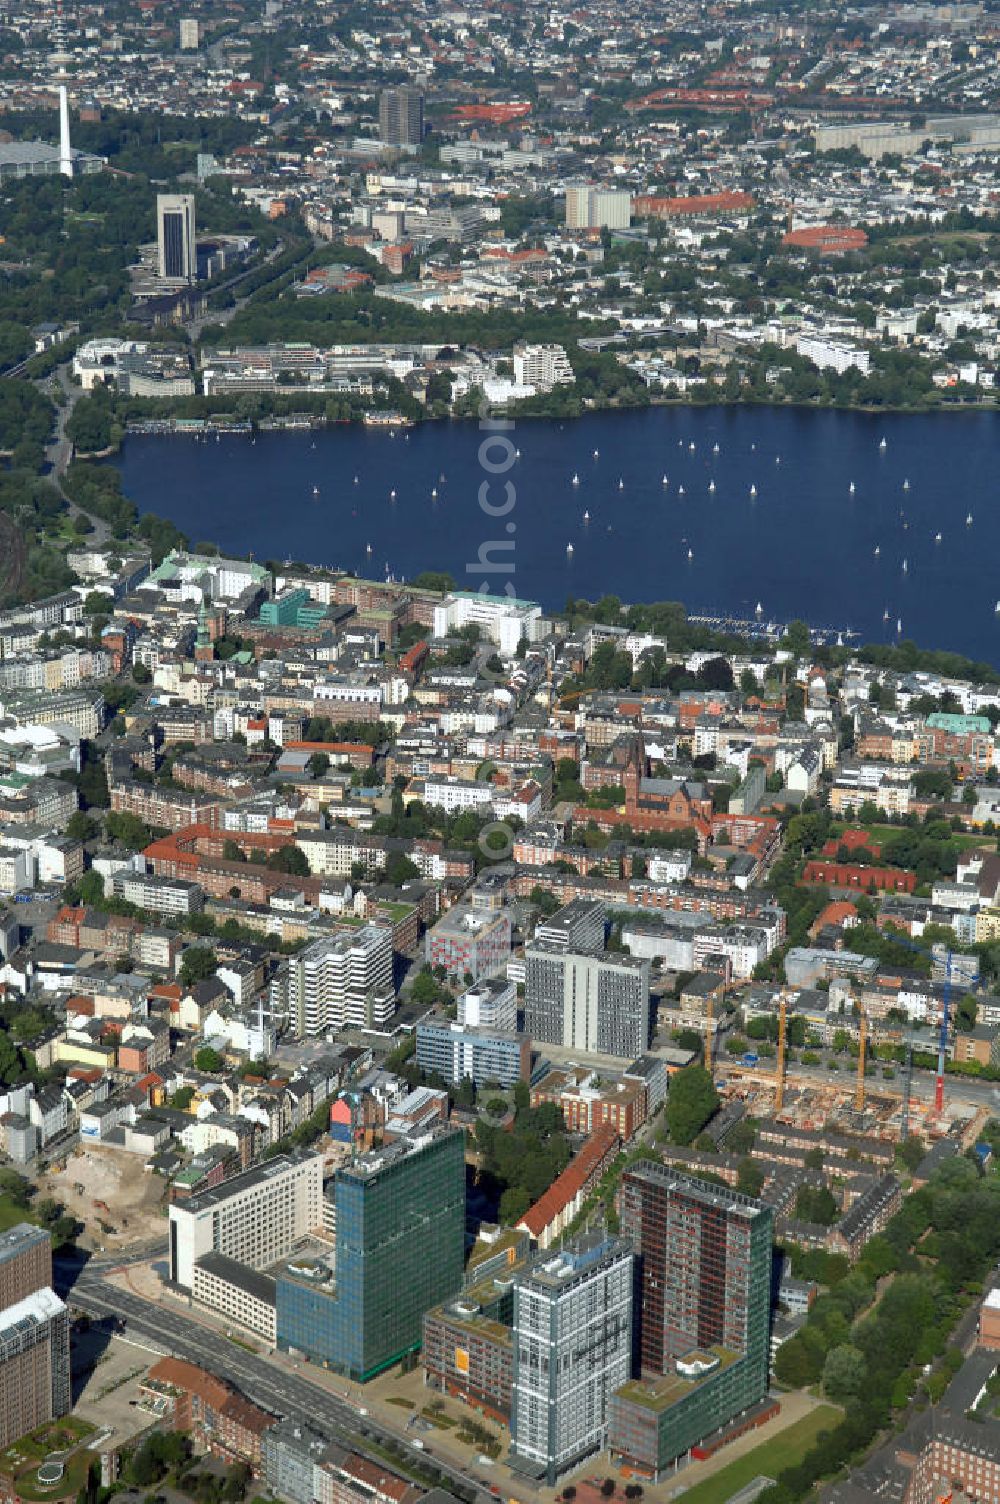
[779,1088]
[904,1123]
[949,955]
[708,1033]
[859,1090]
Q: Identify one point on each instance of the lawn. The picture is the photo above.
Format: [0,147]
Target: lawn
[888,833]
[11,1215]
[767,1460]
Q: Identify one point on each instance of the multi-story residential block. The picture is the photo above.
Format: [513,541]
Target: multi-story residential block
[400,1229]
[704,1256]
[588,1101]
[342,981]
[255,1218]
[572,1350]
[578,926]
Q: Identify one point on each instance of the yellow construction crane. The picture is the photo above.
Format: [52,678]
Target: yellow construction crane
[859,1090]
[779,1088]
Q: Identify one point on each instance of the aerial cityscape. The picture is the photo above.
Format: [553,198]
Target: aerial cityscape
[499,752]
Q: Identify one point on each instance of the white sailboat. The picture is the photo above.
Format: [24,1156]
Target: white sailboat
[680,490]
[392,494]
[711,487]
[968,519]
[315,490]
[586,516]
[906,485]
[937,537]
[434,492]
[576,479]
[690,554]
[715,448]
[881,443]
[665,481]
[753,490]
[851,489]
[877,550]
[569,549]
[621,484]
[905,566]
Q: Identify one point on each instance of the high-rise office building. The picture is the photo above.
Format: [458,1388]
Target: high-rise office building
[34,1364]
[400,1250]
[704,1260]
[175,237]
[34,1335]
[590,208]
[25,1263]
[401,116]
[255,1218]
[595,1003]
[342,981]
[572,1350]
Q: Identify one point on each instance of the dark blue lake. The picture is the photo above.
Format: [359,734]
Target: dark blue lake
[803,545]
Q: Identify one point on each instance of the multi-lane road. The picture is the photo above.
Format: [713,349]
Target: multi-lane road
[273,1387]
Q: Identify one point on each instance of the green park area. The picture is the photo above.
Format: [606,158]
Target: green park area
[766,1461]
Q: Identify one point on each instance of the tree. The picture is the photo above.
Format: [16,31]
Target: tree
[90,888]
[232,851]
[289,859]
[691,1101]
[81,827]
[751,1177]
[401,870]
[966,1014]
[198,963]
[844,1373]
[207,1059]
[425,989]
[128,829]
[318,764]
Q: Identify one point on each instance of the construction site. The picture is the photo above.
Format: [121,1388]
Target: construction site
[845,1101]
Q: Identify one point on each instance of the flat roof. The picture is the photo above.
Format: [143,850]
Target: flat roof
[258,1175]
[260,1286]
[660,1393]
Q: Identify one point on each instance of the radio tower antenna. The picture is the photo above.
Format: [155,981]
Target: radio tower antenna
[60,58]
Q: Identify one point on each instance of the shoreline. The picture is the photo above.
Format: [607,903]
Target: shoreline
[225,423]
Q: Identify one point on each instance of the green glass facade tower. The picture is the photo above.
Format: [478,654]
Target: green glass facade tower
[400,1248]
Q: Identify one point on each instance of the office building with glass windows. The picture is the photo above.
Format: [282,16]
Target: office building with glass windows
[175,238]
[400,1220]
[572,1350]
[704,1292]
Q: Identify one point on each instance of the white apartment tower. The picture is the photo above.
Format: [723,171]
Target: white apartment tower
[342,981]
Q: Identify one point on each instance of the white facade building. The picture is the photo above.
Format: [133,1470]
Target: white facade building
[255,1218]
